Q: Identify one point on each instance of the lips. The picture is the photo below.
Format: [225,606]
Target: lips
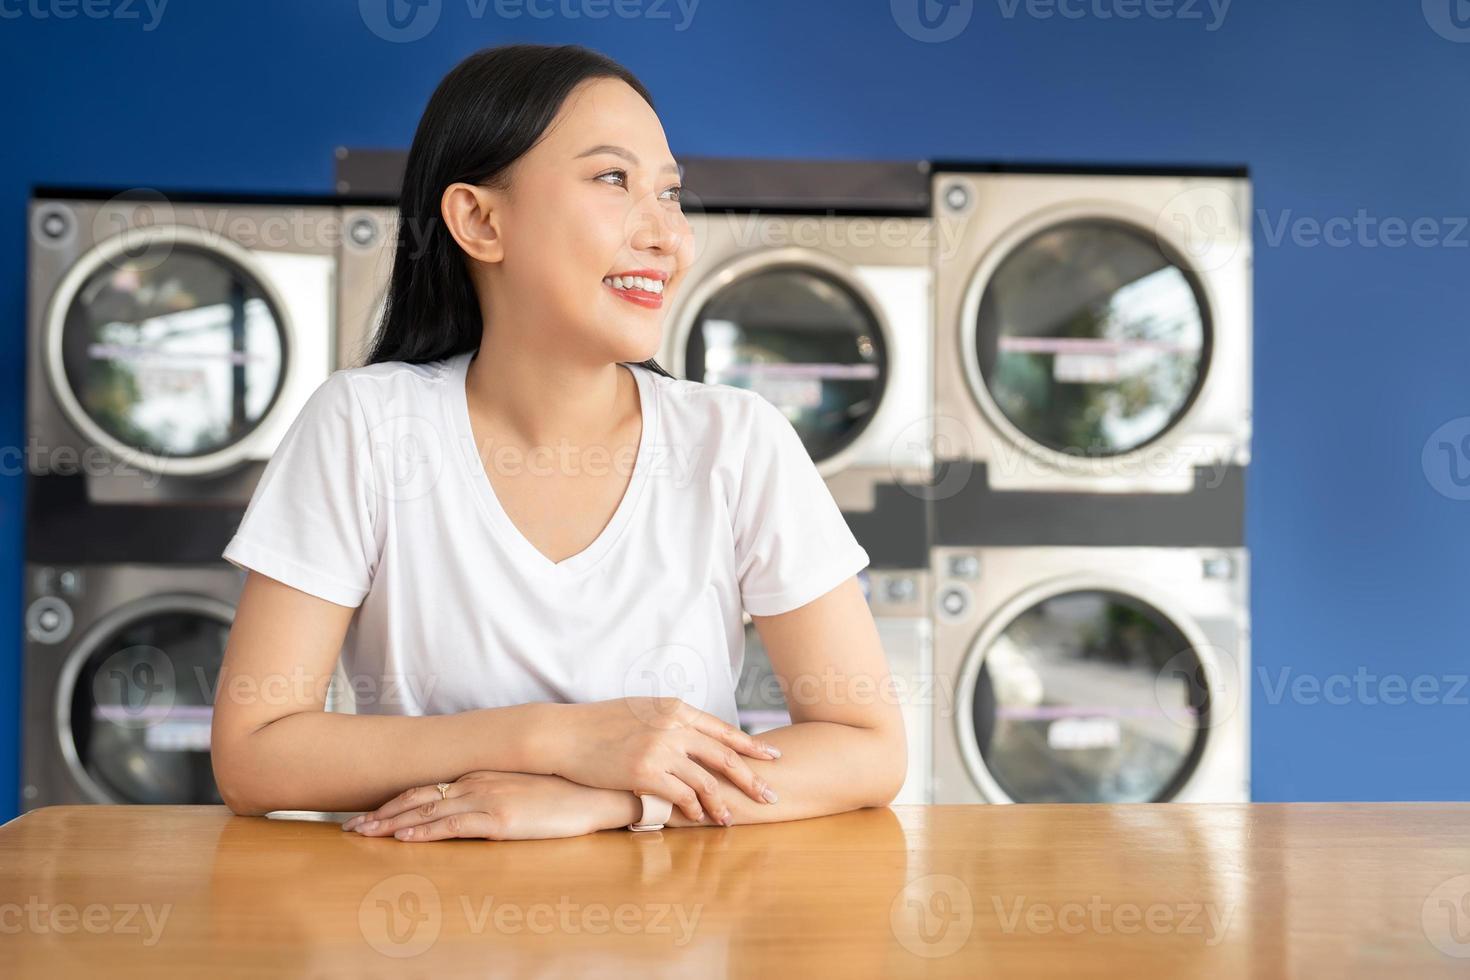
[635,285]
[640,297]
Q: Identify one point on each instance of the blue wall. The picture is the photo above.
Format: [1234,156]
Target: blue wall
[1362,350]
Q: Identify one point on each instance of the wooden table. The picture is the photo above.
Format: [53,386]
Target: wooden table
[1171,890]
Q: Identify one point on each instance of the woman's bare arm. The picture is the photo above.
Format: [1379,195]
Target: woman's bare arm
[275,747]
[846,747]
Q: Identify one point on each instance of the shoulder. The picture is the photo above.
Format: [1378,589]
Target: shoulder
[698,410]
[388,388]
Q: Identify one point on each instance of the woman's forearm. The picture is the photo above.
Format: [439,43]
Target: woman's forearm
[320,760]
[824,768]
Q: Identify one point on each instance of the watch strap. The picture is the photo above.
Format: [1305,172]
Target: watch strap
[656,812]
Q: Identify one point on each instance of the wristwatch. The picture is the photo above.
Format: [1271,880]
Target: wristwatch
[656,811]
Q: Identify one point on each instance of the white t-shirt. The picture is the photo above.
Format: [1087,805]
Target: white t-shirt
[377,498]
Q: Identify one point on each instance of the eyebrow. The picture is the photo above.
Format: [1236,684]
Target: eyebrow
[628,155]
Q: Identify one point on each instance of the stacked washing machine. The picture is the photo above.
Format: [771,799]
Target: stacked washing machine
[171,342]
[1092,359]
[1029,391]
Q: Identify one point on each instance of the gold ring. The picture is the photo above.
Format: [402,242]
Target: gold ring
[444,791]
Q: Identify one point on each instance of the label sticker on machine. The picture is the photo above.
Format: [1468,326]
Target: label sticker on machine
[1083,733]
[791,392]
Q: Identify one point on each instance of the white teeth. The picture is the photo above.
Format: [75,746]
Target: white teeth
[635,282]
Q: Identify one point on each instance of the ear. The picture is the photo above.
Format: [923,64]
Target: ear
[470,214]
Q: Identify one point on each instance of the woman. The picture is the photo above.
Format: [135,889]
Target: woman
[537,644]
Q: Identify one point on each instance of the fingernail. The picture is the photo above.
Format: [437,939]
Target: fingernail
[369,825]
[403,833]
[699,815]
[353,822]
[772,750]
[725,819]
[769,795]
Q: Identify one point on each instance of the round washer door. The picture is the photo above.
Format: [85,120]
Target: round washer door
[1086,696]
[135,701]
[802,332]
[169,348]
[1086,339]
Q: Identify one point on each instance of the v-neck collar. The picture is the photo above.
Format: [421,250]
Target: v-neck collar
[527,554]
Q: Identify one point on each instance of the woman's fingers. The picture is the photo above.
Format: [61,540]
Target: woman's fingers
[720,758]
[724,732]
[472,823]
[681,785]
[433,809]
[407,800]
[704,787]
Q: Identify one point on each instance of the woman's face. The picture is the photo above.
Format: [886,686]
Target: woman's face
[597,197]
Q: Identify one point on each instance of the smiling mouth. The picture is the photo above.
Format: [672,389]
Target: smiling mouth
[644,291]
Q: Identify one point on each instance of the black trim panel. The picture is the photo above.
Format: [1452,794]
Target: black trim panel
[64,527]
[1210,515]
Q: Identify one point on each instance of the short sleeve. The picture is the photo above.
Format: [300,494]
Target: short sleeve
[792,544]
[310,522]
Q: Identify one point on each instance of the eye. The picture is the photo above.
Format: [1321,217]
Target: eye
[622,176]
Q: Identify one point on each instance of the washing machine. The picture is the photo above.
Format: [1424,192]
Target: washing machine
[1091,675]
[173,341]
[365,264]
[121,666]
[1093,329]
[811,285]
[899,601]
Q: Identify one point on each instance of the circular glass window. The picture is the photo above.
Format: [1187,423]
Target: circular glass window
[142,706]
[1091,341]
[803,339]
[180,357]
[1070,705]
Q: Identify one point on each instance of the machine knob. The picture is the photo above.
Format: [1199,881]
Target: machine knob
[953,601]
[48,620]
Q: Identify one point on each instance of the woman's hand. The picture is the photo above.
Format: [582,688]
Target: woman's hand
[662,746]
[499,806]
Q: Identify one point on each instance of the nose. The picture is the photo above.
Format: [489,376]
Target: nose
[657,225]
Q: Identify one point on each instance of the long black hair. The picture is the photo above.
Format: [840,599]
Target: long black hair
[489,110]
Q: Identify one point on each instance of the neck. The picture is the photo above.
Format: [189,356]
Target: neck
[534,397]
